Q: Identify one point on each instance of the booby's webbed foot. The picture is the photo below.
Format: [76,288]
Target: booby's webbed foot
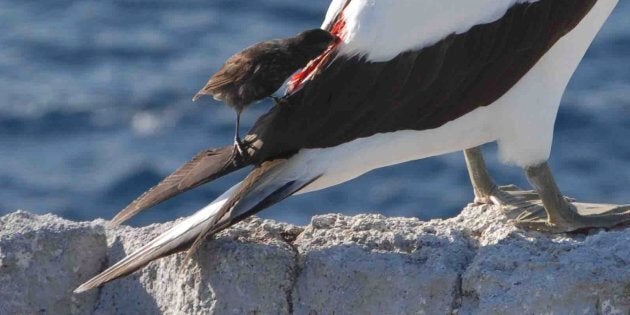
[579,216]
[535,205]
[558,214]
[511,198]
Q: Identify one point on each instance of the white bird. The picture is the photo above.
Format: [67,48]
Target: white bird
[409,79]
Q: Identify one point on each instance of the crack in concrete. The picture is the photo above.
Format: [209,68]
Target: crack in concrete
[458,296]
[104,264]
[99,290]
[598,310]
[289,239]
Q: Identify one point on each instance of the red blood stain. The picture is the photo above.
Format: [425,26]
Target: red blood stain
[297,80]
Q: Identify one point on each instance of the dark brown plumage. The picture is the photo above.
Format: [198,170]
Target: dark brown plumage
[259,70]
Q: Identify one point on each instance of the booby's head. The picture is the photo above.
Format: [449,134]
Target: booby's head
[313,43]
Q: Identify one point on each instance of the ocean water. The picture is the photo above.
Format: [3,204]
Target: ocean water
[95,108]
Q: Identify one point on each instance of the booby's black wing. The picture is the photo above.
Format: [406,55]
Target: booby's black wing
[350,97]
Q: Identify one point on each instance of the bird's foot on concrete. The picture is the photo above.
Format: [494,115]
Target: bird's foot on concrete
[509,198]
[545,208]
[574,216]
[558,215]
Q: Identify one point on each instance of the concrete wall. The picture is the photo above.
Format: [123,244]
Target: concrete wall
[475,263]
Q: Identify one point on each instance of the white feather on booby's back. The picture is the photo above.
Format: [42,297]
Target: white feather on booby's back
[380,30]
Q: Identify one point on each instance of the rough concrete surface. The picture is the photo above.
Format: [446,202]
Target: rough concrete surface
[475,263]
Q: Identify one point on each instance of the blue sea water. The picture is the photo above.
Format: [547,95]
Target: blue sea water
[95,108]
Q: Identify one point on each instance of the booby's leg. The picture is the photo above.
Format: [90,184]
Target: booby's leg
[559,215]
[483,185]
[486,190]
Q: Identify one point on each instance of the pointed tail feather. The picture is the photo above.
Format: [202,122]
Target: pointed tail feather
[177,238]
[266,185]
[206,166]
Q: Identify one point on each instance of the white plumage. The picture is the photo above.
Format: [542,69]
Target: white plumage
[380,30]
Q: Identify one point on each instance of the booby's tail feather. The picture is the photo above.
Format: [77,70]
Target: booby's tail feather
[206,166]
[177,238]
[266,185]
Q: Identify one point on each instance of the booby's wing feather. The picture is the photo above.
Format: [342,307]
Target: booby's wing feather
[204,167]
[177,238]
[267,184]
